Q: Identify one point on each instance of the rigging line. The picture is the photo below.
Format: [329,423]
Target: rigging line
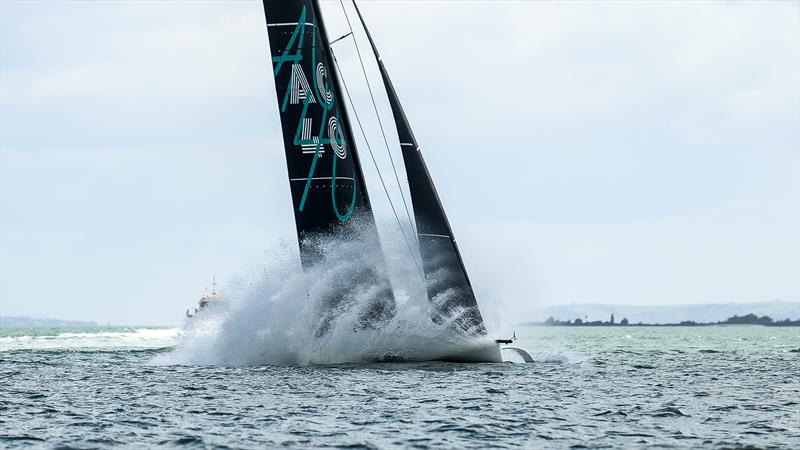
[358,120]
[380,123]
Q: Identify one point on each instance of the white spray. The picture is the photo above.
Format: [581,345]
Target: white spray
[273,318]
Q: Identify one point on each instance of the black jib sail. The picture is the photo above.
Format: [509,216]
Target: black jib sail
[448,285]
[327,183]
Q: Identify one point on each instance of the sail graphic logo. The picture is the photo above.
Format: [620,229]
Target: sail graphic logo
[321,76]
[311,136]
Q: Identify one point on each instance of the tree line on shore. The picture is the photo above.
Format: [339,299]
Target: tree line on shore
[749,319]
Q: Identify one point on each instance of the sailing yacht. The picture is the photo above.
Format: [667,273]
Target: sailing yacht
[327,182]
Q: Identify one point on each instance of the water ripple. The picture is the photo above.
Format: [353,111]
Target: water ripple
[621,397]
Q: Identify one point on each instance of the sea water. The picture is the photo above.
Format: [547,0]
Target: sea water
[622,387]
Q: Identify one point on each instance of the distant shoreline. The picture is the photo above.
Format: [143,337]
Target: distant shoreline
[749,319]
[24,321]
[617,325]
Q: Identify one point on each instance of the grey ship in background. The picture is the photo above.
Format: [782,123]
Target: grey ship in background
[209,299]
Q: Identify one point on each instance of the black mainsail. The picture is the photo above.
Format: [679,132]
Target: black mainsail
[448,285]
[326,180]
[327,184]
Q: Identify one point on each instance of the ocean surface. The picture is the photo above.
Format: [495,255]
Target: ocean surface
[634,387]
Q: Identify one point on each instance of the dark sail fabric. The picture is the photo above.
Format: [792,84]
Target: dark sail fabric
[448,285]
[326,181]
[327,185]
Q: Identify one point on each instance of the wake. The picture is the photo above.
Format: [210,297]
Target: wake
[92,339]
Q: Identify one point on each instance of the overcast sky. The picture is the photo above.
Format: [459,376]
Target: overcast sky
[641,153]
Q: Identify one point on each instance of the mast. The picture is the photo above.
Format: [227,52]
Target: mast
[327,184]
[448,284]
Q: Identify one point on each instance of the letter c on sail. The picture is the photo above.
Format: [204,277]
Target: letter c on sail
[324,92]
